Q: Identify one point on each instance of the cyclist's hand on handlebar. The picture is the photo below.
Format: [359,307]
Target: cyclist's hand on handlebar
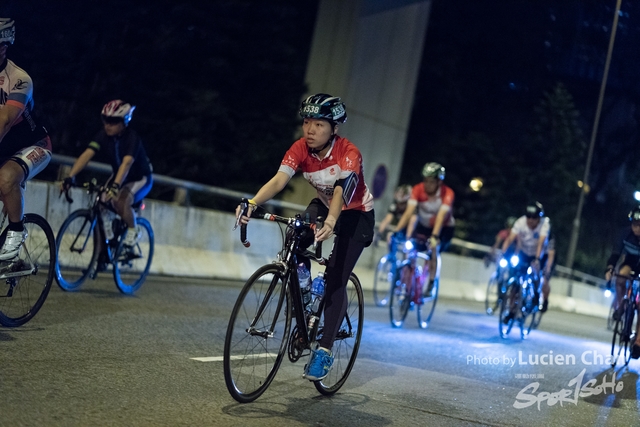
[434,241]
[244,219]
[326,231]
[608,273]
[67,183]
[112,192]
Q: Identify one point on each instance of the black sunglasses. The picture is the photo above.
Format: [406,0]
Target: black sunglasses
[112,120]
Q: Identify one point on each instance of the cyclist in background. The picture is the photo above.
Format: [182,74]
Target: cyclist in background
[396,209]
[25,146]
[496,248]
[433,201]
[532,231]
[333,166]
[629,251]
[121,147]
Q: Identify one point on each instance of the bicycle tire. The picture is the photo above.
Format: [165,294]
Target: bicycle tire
[528,310]
[610,319]
[131,265]
[492,297]
[618,340]
[427,304]
[25,295]
[76,249]
[345,347]
[629,330]
[401,295]
[251,360]
[510,299]
[382,280]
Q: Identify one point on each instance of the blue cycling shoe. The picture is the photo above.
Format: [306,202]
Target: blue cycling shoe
[319,365]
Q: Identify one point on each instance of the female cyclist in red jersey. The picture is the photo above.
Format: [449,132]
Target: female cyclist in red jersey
[333,166]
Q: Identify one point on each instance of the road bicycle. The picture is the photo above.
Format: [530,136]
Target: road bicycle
[624,329]
[25,281]
[520,302]
[259,333]
[83,250]
[386,270]
[411,275]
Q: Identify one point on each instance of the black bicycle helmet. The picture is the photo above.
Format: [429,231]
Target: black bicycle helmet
[634,215]
[535,210]
[324,106]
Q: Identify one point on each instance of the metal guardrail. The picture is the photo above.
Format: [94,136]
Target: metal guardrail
[223,192]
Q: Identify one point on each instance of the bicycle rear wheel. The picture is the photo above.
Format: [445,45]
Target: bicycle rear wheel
[131,265]
[257,334]
[76,249]
[347,342]
[21,296]
[401,294]
[382,280]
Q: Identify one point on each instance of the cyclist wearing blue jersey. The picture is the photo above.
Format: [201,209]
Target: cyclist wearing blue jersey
[25,146]
[629,252]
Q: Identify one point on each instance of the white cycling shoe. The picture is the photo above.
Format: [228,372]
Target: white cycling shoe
[12,244]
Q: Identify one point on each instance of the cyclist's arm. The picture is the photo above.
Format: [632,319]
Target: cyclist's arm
[508,241]
[124,169]
[412,225]
[335,207]
[81,162]
[271,188]
[385,222]
[440,216]
[406,216]
[541,242]
[8,115]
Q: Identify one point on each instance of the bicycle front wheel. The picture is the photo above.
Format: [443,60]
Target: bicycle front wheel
[427,306]
[76,249]
[257,334]
[630,330]
[131,265]
[619,342]
[401,295]
[347,342]
[26,280]
[508,308]
[382,281]
[492,298]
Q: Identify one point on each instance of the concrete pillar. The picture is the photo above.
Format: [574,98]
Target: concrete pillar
[368,52]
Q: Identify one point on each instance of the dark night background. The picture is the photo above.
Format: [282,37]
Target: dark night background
[507,92]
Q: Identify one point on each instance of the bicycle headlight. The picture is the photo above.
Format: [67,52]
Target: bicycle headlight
[408,245]
[607,293]
[503,262]
[515,260]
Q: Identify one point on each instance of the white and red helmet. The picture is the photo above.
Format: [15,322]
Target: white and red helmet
[118,109]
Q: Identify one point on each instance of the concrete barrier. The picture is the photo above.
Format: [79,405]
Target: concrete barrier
[196,242]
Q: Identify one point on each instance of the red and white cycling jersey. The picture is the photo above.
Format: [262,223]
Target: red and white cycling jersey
[428,207]
[342,159]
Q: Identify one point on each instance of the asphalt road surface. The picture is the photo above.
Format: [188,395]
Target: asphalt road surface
[98,358]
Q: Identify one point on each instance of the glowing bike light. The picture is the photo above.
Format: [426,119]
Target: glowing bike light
[408,245]
[514,260]
[503,263]
[607,293]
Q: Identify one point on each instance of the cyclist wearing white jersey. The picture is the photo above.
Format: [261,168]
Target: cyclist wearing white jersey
[532,232]
[25,146]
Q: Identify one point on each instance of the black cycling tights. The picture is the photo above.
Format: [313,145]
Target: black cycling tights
[342,260]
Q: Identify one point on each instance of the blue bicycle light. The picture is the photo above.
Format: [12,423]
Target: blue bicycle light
[515,260]
[503,262]
[408,245]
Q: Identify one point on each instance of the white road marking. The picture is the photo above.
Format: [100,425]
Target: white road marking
[221,358]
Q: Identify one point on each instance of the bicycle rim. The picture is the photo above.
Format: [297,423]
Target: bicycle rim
[252,356]
[23,296]
[504,327]
[131,265]
[427,307]
[400,296]
[382,282]
[347,342]
[76,250]
[629,331]
[492,300]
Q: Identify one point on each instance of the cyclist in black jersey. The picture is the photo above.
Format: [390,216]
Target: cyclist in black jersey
[630,250]
[25,146]
[122,148]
